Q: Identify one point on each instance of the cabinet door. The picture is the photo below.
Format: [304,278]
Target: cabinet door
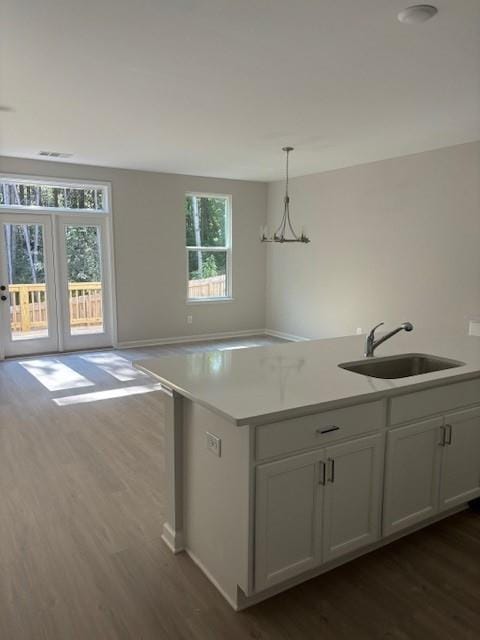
[412,474]
[460,477]
[288,517]
[353,494]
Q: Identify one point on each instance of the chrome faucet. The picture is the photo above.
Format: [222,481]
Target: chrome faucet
[371,344]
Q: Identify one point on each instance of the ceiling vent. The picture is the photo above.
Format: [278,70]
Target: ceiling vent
[54,154]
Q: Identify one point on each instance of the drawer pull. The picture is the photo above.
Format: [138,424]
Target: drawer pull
[328,429]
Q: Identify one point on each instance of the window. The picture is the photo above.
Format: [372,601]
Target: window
[208,224]
[31,194]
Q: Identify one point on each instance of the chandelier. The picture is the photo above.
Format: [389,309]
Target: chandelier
[285,231]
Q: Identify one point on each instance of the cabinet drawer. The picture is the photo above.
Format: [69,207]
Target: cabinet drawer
[288,436]
[431,401]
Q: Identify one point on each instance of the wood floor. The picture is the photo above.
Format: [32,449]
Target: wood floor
[81,507]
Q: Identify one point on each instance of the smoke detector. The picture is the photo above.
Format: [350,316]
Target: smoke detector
[417,13]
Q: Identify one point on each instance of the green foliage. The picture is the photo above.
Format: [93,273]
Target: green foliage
[44,195]
[83,254]
[213,264]
[211,231]
[25,253]
[206,226]
[209,267]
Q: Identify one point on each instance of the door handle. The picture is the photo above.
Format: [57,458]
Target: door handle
[3,297]
[3,287]
[331,470]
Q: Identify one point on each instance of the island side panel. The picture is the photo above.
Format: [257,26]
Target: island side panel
[173,526]
[217,490]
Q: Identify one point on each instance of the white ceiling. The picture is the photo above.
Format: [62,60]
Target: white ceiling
[217,87]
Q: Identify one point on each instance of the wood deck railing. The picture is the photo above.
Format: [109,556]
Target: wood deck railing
[28,306]
[28,302]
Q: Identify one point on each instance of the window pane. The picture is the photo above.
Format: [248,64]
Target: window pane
[206,221]
[207,274]
[26,281]
[84,269]
[34,196]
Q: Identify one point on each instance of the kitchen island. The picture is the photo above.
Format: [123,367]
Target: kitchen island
[280,465]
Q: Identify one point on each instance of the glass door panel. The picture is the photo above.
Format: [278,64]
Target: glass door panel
[26,279]
[85,277]
[28,318]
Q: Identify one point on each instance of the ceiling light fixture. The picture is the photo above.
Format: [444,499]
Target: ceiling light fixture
[417,13]
[285,231]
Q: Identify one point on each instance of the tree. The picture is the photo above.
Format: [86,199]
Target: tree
[25,258]
[83,254]
[25,253]
[205,227]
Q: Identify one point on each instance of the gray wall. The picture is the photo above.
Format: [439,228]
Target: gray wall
[149,241]
[393,240]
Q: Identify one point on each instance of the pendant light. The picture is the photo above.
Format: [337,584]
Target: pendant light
[285,231]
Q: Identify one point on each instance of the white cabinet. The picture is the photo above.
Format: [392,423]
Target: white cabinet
[315,507]
[412,469]
[288,512]
[460,475]
[431,466]
[352,495]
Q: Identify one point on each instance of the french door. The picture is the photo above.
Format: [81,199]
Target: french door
[28,321]
[55,291]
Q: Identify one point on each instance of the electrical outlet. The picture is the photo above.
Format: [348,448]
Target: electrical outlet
[189,319]
[214,444]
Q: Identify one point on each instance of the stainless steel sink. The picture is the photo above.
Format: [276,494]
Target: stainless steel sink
[402,366]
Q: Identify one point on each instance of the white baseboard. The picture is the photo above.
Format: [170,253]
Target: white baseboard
[130,344]
[286,336]
[173,540]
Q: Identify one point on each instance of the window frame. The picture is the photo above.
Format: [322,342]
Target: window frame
[62,183]
[227,249]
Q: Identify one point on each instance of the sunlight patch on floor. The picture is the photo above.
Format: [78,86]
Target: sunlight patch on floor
[54,375]
[115,365]
[107,394]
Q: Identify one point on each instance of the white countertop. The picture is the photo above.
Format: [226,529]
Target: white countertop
[262,384]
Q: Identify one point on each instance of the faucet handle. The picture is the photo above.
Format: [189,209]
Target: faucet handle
[372,332]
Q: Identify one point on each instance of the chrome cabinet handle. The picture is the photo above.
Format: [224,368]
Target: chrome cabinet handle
[322,473]
[331,470]
[443,433]
[448,433]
